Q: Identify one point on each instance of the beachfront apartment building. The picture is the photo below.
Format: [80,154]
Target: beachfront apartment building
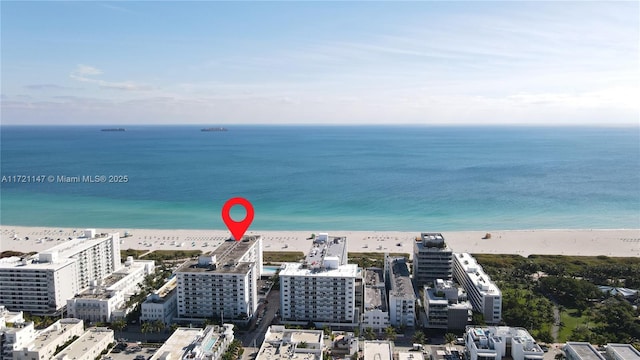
[495,343]
[375,314]
[105,300]
[432,259]
[41,284]
[402,298]
[222,283]
[322,289]
[162,304]
[446,306]
[291,344]
[484,295]
[209,343]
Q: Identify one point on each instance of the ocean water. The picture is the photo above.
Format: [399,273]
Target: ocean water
[324,178]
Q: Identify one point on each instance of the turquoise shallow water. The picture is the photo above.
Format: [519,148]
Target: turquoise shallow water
[338,178]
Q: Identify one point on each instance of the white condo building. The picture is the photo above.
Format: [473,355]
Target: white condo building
[375,314]
[495,343]
[222,283]
[432,259]
[89,346]
[42,283]
[402,298]
[105,300]
[322,289]
[15,333]
[484,295]
[162,304]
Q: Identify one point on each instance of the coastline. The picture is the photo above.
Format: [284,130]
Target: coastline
[586,242]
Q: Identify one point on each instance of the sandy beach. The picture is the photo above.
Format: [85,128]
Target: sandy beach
[623,243]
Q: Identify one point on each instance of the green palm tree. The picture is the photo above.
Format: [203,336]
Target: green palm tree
[449,338]
[145,328]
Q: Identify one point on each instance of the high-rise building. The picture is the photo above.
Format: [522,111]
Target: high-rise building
[41,284]
[402,298]
[222,283]
[432,259]
[483,294]
[322,289]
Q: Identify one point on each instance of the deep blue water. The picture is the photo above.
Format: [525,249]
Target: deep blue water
[326,178]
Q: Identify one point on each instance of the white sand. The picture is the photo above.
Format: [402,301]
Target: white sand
[623,243]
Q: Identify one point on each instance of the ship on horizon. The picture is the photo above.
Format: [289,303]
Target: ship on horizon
[113,129]
[214,129]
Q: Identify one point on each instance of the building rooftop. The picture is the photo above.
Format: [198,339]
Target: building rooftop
[298,269]
[105,288]
[377,350]
[229,257]
[432,242]
[327,247]
[624,351]
[401,285]
[193,343]
[161,295]
[443,353]
[32,262]
[486,338]
[375,296]
[476,274]
[410,355]
[74,246]
[584,350]
[89,339]
[51,333]
[291,344]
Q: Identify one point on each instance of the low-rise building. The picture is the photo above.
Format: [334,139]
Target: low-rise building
[209,343]
[622,352]
[344,344]
[575,350]
[16,335]
[402,298]
[45,342]
[377,350]
[410,355]
[89,346]
[162,304]
[105,300]
[375,314]
[291,344]
[485,343]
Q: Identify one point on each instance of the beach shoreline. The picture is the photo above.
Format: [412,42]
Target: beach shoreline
[585,242]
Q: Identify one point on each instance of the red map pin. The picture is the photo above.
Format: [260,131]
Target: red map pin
[237,228]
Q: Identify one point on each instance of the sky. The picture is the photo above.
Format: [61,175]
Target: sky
[334,63]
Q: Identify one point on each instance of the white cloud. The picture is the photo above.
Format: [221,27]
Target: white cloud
[83,73]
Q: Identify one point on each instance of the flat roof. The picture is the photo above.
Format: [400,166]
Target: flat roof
[335,246]
[17,263]
[51,333]
[377,350]
[281,343]
[584,350]
[401,284]
[410,355]
[176,344]
[88,340]
[624,351]
[476,274]
[74,246]
[298,269]
[228,257]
